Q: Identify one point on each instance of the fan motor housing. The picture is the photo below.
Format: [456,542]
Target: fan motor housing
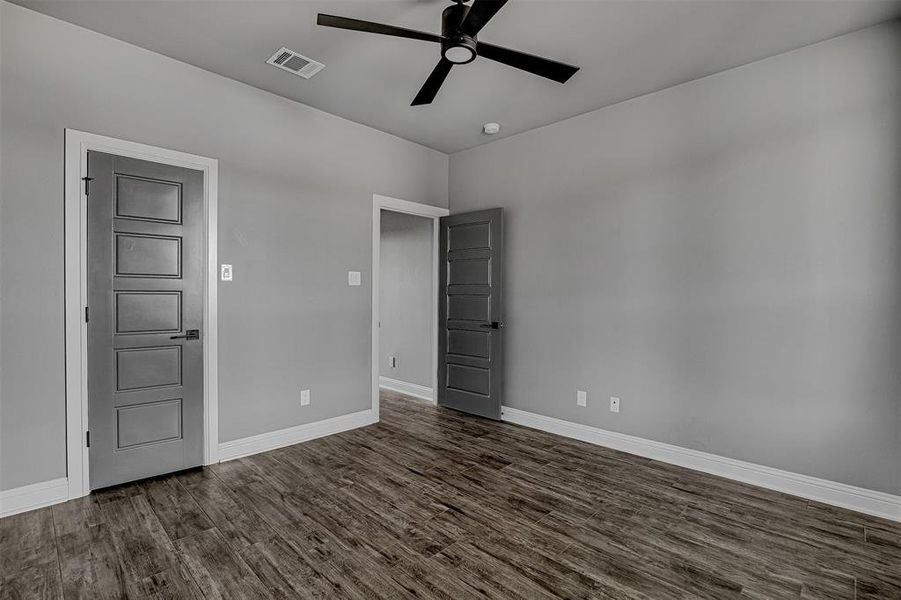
[456,44]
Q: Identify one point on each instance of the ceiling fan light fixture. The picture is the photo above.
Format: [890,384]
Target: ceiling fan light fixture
[459,55]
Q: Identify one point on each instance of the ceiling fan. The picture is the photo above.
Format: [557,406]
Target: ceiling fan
[460,26]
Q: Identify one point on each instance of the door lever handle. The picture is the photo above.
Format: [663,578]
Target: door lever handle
[190,334]
[492,325]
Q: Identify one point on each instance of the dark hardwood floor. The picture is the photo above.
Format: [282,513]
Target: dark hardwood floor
[434,504]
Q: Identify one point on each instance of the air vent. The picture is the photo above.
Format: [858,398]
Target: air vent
[291,61]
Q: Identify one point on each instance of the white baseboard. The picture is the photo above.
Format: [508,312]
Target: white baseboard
[880,504]
[871,502]
[410,389]
[34,496]
[294,435]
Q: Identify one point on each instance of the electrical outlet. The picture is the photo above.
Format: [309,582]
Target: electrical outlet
[304,397]
[614,404]
[353,278]
[226,272]
[581,398]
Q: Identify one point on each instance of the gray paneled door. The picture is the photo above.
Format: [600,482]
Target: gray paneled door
[470,312]
[145,311]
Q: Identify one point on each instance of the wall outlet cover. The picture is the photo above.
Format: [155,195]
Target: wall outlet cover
[226,272]
[353,278]
[304,397]
[582,398]
[614,404]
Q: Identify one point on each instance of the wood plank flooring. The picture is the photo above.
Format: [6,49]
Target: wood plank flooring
[434,504]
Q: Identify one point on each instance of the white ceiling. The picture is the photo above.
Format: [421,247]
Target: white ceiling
[625,48]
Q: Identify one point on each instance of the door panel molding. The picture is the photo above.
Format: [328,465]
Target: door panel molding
[165,214]
[380,203]
[77,145]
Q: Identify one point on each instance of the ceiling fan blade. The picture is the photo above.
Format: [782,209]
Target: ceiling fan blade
[558,71]
[433,83]
[370,27]
[479,14]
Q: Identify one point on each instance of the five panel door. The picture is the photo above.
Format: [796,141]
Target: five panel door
[470,313]
[145,311]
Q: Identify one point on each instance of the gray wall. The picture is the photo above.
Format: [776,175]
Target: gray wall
[295,202]
[724,255]
[405,297]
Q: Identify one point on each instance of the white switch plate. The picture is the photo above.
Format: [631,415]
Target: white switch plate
[304,397]
[582,398]
[226,272]
[353,278]
[614,404]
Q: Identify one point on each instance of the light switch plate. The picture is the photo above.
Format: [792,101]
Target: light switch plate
[581,398]
[226,272]
[353,278]
[304,397]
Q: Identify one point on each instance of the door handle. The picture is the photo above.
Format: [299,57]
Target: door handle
[190,334]
[492,325]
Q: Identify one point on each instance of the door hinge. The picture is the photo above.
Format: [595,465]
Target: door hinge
[87,181]
[87,438]
[86,316]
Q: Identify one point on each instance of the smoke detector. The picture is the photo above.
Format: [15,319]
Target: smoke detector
[295,62]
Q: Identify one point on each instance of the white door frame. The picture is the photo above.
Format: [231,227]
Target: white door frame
[380,203]
[78,143]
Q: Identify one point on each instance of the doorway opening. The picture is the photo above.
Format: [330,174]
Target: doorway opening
[404,298]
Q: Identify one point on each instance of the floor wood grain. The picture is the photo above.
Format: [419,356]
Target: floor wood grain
[435,504]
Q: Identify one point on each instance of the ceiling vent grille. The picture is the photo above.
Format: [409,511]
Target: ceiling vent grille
[293,62]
